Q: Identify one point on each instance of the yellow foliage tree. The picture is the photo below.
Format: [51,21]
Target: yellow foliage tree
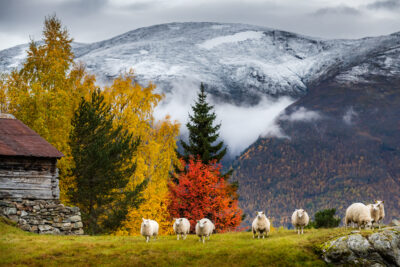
[45,92]
[133,106]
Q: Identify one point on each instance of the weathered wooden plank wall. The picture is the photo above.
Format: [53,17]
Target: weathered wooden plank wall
[29,178]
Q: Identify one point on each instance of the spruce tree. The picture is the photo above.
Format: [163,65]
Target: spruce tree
[202,132]
[101,152]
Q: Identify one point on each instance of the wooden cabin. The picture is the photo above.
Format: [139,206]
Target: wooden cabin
[28,163]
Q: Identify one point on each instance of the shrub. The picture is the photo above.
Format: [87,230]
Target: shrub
[325,219]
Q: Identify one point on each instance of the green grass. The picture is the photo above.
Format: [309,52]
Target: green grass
[282,248]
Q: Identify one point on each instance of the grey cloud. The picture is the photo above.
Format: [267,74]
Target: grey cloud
[385,4]
[339,10]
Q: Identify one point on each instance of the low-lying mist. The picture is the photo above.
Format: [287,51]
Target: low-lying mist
[240,125]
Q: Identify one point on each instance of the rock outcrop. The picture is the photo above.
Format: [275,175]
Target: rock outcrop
[378,249]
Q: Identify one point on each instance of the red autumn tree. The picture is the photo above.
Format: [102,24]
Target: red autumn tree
[201,192]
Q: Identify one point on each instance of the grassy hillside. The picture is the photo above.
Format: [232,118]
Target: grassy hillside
[282,248]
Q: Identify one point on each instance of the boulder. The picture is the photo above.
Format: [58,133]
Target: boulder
[378,249]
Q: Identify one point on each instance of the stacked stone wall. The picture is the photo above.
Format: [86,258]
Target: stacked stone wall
[43,216]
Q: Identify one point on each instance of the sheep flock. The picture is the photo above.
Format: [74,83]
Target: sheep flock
[364,216]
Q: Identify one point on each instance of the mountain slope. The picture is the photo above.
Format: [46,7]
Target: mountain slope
[348,151]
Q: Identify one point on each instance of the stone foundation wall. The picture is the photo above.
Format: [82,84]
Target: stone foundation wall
[43,216]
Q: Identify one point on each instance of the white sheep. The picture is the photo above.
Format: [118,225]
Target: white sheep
[149,228]
[377,212]
[300,219]
[181,227]
[360,214]
[260,225]
[204,228]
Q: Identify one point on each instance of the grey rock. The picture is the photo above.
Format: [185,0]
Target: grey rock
[78,232]
[74,219]
[387,244]
[26,227]
[78,225]
[23,213]
[378,249]
[66,226]
[359,245]
[336,250]
[44,228]
[10,211]
[396,222]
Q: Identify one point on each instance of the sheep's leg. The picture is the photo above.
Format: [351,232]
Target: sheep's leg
[302,230]
[209,237]
[147,238]
[258,233]
[254,233]
[177,237]
[204,239]
[184,237]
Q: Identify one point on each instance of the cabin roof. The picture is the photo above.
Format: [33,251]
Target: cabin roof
[17,139]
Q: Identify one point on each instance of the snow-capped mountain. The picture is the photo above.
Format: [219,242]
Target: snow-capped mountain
[237,62]
[315,121]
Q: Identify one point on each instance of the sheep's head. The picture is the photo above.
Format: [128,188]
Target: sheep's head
[379,202]
[375,207]
[202,223]
[260,214]
[300,213]
[146,222]
[178,221]
[367,224]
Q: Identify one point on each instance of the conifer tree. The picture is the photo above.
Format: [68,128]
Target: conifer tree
[102,157]
[203,133]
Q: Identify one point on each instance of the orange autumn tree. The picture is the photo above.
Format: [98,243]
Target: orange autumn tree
[201,192]
[133,106]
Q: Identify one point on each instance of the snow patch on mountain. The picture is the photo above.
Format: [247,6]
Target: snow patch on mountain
[235,38]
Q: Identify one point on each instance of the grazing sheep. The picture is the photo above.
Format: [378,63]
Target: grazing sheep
[360,214]
[149,228]
[260,225]
[300,220]
[181,227]
[377,212]
[204,228]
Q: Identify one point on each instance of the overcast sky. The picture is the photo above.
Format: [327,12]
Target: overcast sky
[95,20]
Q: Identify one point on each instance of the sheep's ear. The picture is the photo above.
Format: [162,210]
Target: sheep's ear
[142,219]
[262,212]
[383,201]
